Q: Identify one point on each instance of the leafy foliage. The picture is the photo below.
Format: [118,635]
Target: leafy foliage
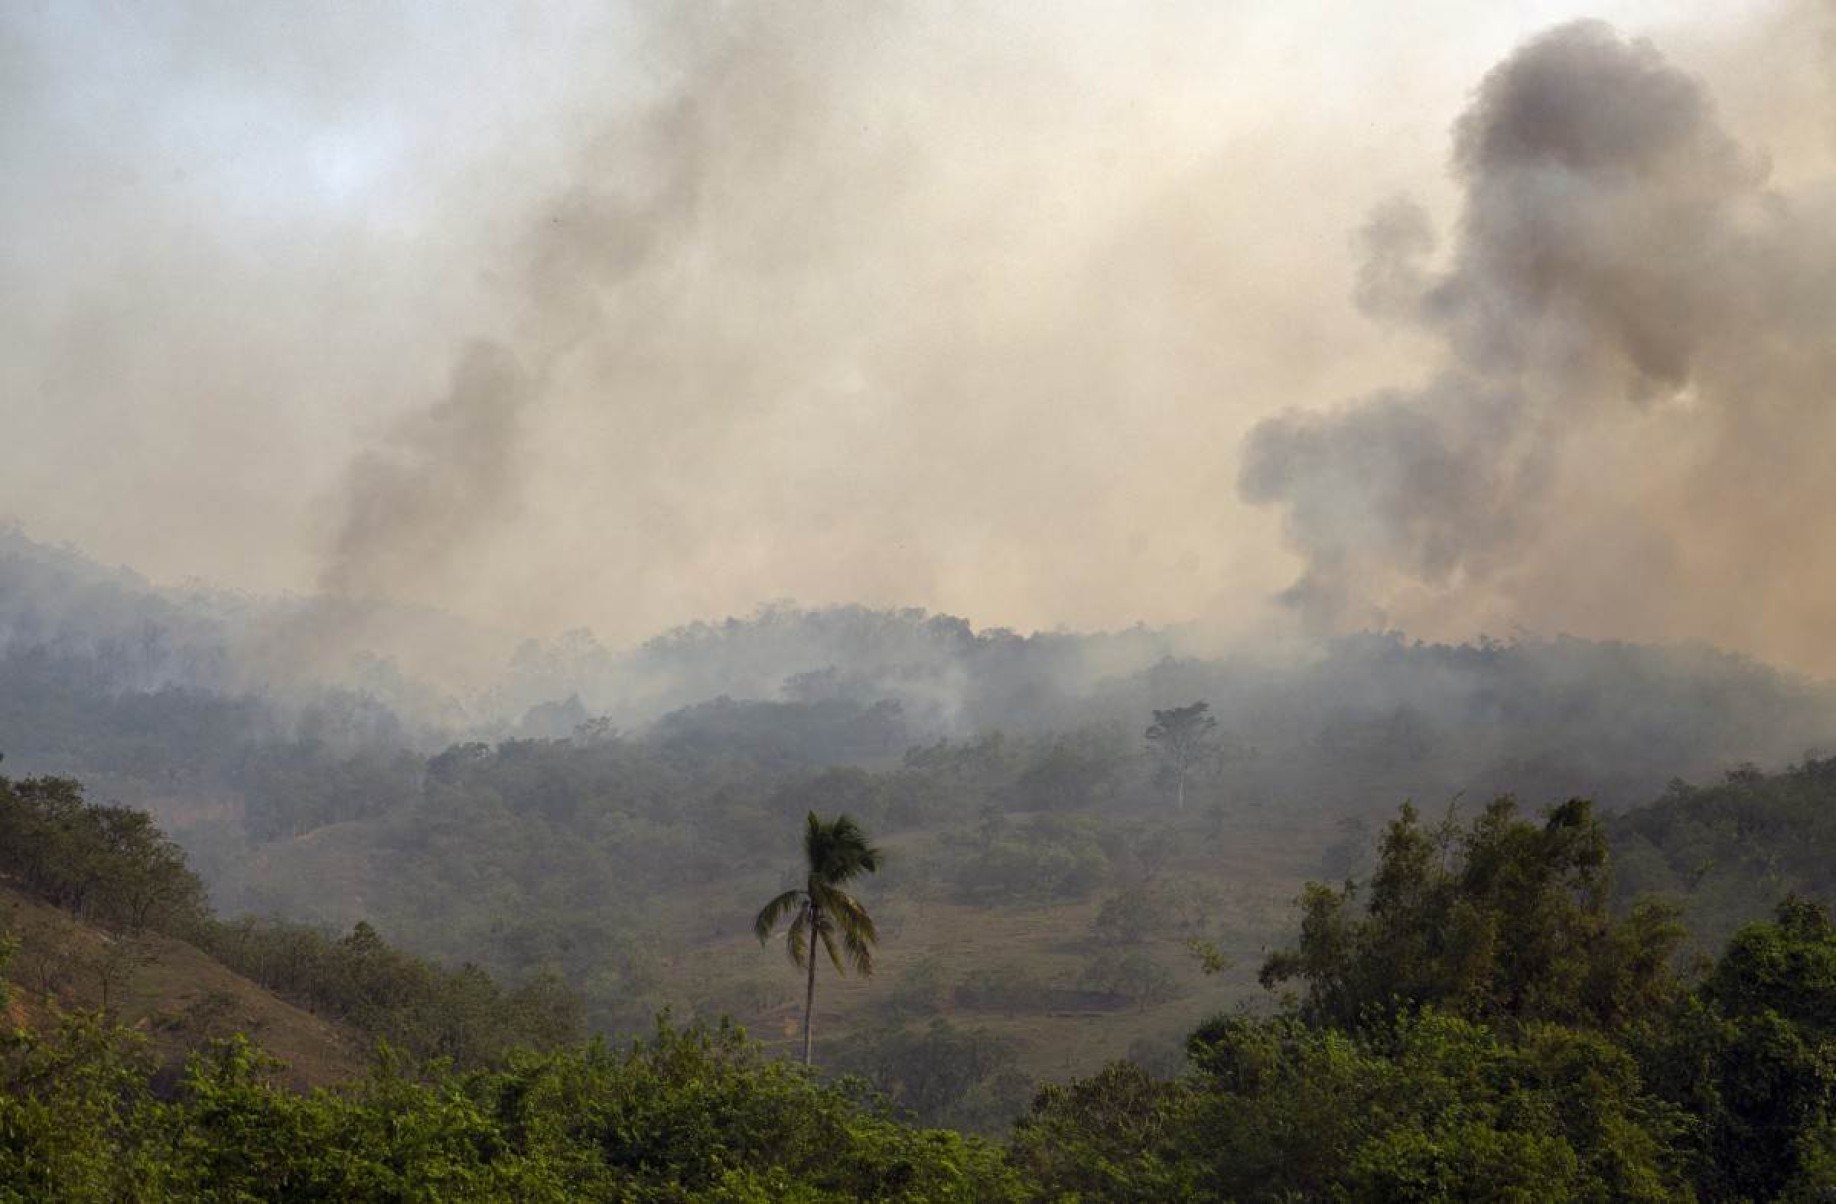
[942,1073]
[1182,737]
[108,864]
[1730,849]
[1049,857]
[1753,1056]
[417,1006]
[693,1113]
[111,866]
[1482,1030]
[1480,1027]
[1503,921]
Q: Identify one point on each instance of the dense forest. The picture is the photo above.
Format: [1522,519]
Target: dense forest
[1474,1018]
[610,850]
[491,908]
[1470,999]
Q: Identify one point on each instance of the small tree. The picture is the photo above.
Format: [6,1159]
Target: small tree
[1131,974]
[1181,737]
[115,966]
[835,853]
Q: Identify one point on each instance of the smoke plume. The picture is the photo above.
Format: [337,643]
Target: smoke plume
[1627,431]
[617,314]
[443,473]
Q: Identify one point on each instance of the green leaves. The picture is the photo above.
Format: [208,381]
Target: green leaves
[426,1009]
[693,1113]
[777,909]
[107,864]
[1753,1057]
[1504,920]
[1436,1107]
[837,851]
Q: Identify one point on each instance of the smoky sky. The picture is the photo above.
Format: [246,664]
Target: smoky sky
[1630,418]
[620,315]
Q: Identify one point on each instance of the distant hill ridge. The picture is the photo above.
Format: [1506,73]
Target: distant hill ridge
[76,629]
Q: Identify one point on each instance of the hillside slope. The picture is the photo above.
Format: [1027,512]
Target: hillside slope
[176,995]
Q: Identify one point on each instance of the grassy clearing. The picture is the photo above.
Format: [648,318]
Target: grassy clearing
[1241,879]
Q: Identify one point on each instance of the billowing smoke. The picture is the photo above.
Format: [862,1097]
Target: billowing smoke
[442,474]
[621,314]
[866,305]
[1628,429]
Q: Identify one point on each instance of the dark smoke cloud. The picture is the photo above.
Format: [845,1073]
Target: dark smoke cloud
[449,475]
[441,475]
[1636,367]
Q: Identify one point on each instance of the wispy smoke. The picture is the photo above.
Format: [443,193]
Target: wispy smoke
[1637,375]
[862,305]
[443,473]
[451,474]
[597,278]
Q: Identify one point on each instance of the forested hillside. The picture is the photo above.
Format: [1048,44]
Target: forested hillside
[1726,847]
[103,914]
[1009,777]
[754,602]
[1476,1023]
[1475,1019]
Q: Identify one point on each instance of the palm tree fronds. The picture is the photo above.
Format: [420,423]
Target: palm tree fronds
[843,914]
[796,941]
[827,934]
[773,911]
[838,852]
[835,853]
[860,952]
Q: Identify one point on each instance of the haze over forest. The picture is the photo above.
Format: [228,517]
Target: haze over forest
[1274,320]
[1265,566]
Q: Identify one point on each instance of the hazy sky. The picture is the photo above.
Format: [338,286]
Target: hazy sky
[618,316]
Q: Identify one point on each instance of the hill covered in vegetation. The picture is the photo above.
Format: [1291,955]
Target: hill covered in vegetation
[104,915]
[1724,848]
[558,828]
[1476,1020]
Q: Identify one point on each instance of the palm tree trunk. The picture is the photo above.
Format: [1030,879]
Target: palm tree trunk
[809,991]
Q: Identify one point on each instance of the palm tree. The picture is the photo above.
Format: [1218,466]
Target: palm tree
[836,853]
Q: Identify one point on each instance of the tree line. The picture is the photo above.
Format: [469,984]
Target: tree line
[1475,1020]
[106,864]
[112,867]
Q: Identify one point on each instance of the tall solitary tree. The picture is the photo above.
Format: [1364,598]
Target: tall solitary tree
[835,853]
[1181,737]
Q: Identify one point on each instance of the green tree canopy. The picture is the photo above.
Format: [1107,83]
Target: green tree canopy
[1753,1056]
[1503,920]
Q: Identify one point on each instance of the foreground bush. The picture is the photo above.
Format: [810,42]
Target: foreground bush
[693,1114]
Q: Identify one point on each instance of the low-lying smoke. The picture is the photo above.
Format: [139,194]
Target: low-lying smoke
[1628,429]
